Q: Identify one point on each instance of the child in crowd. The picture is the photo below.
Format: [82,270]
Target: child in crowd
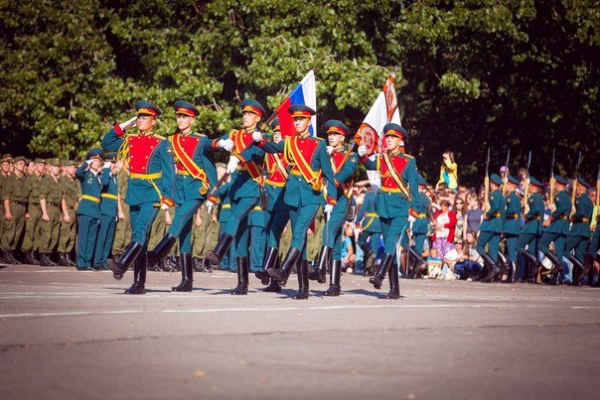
[434,265]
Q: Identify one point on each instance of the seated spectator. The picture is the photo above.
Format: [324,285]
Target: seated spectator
[434,265]
[467,265]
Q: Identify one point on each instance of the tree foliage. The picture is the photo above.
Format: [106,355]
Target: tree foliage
[517,75]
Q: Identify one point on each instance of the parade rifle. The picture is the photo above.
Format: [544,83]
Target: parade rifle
[575,185]
[486,181]
[526,187]
[505,179]
[552,180]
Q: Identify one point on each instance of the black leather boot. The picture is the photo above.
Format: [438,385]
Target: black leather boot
[578,269]
[46,261]
[187,274]
[30,258]
[215,256]
[502,264]
[379,277]
[492,268]
[394,293]
[417,262]
[162,249]
[281,275]
[139,274]
[274,286]
[334,279]
[120,266]
[324,260]
[242,275]
[271,257]
[61,260]
[556,269]
[302,293]
[513,272]
[5,259]
[70,262]
[13,258]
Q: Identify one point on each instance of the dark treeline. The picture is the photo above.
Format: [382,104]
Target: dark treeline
[516,74]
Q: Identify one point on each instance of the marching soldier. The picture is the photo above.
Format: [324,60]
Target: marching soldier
[196,174]
[532,229]
[309,164]
[558,229]
[512,225]
[399,188]
[277,211]
[580,233]
[419,217]
[108,211]
[151,175]
[88,211]
[343,166]
[370,229]
[491,229]
[51,196]
[71,189]
[245,191]
[34,213]
[14,199]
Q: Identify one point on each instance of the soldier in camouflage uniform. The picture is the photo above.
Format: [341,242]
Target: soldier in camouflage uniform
[68,226]
[34,214]
[14,200]
[51,196]
[205,233]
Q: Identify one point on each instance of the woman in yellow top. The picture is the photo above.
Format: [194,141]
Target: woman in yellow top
[448,171]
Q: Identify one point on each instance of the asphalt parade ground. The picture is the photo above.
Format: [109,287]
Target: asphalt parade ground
[75,335]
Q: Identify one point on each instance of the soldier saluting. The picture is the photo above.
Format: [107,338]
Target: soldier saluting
[309,164]
[151,171]
[399,188]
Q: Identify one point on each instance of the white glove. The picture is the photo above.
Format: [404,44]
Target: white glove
[330,149]
[107,164]
[226,144]
[257,136]
[327,210]
[127,124]
[232,164]
[411,219]
[164,207]
[209,206]
[362,150]
[89,162]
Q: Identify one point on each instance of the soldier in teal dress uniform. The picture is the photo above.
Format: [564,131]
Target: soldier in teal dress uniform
[399,189]
[330,254]
[277,211]
[532,229]
[512,226]
[309,163]
[580,233]
[151,182]
[228,261]
[491,229]
[370,228]
[244,192]
[88,212]
[108,210]
[558,230]
[195,176]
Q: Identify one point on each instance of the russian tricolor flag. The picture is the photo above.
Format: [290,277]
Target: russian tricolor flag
[304,93]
